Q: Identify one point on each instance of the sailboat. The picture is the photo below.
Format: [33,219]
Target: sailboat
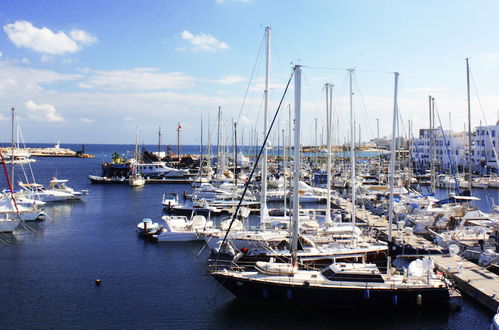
[136,179]
[8,221]
[355,284]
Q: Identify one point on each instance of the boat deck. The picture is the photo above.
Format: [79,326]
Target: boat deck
[470,278]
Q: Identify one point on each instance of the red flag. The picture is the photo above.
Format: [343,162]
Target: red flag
[179,127]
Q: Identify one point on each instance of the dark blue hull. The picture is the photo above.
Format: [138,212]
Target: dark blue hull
[344,297]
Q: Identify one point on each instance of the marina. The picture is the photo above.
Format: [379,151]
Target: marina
[73,233]
[240,164]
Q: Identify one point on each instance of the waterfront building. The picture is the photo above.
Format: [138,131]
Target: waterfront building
[484,140]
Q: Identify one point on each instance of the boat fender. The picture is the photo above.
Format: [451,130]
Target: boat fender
[395,299]
[289,294]
[306,283]
[419,300]
[367,294]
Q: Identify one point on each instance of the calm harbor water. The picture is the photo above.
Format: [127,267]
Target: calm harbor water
[47,271]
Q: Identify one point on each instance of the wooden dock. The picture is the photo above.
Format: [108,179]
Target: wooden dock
[469,278]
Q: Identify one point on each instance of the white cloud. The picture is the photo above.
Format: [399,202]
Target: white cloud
[203,41]
[83,37]
[138,79]
[42,112]
[87,120]
[231,79]
[14,77]
[46,58]
[44,40]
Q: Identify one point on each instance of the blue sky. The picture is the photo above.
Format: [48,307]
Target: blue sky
[90,72]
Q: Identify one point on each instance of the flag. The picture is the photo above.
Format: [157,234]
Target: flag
[179,127]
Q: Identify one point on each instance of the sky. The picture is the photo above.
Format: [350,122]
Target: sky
[95,71]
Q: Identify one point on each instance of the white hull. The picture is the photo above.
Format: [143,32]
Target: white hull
[136,182]
[495,322]
[8,225]
[178,237]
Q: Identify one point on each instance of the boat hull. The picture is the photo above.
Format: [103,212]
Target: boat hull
[178,237]
[307,294]
[8,226]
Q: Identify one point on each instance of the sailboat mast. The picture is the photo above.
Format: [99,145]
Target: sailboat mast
[159,143]
[352,150]
[284,170]
[470,166]
[392,158]
[329,92]
[297,164]
[218,138]
[12,150]
[235,154]
[263,195]
[431,102]
[201,150]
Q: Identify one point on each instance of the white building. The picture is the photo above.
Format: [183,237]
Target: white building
[449,150]
[453,147]
[484,140]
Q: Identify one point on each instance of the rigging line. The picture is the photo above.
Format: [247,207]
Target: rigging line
[345,69]
[485,120]
[251,78]
[356,81]
[451,163]
[29,164]
[314,99]
[264,144]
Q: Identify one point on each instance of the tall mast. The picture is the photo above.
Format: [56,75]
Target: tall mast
[284,170]
[218,138]
[208,157]
[12,146]
[235,154]
[201,150]
[178,143]
[329,115]
[159,143]
[392,158]
[431,104]
[263,195]
[316,145]
[297,164]
[352,150]
[470,166]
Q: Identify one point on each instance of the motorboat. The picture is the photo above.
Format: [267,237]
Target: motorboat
[148,228]
[183,229]
[57,191]
[169,200]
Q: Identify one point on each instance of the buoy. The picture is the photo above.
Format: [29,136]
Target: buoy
[419,300]
[98,282]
